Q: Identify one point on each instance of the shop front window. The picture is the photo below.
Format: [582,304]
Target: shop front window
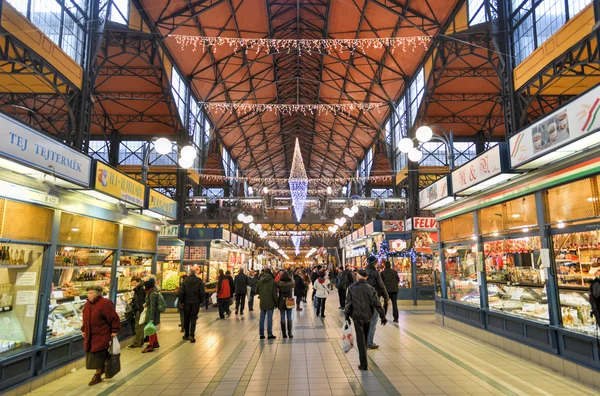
[130,264]
[515,278]
[403,266]
[461,274]
[577,261]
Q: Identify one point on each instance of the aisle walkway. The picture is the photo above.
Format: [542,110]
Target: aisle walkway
[417,357]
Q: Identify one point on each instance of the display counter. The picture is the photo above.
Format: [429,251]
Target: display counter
[461,274]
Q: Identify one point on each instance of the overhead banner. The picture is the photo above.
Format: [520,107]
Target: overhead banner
[551,133]
[392,225]
[479,169]
[29,147]
[111,182]
[421,224]
[158,203]
[433,193]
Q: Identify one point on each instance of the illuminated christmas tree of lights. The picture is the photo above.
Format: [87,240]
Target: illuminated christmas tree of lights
[298,182]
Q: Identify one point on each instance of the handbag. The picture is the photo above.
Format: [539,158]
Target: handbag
[347,337]
[142,317]
[290,303]
[112,365]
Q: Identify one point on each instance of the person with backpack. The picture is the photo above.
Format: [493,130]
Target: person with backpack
[137,307]
[362,304]
[153,309]
[390,279]
[191,295]
[345,279]
[374,279]
[267,294]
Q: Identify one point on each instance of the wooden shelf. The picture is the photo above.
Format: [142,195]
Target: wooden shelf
[13,266]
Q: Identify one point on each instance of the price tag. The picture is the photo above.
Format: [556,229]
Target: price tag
[516,294]
[53,302]
[77,299]
[30,313]
[545,255]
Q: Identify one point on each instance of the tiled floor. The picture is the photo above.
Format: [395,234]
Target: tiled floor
[417,357]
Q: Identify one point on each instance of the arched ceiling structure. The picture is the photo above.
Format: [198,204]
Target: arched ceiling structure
[262,143]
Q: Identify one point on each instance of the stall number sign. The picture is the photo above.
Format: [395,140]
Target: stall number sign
[421,223]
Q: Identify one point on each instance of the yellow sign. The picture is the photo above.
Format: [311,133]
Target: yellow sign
[111,182]
[160,204]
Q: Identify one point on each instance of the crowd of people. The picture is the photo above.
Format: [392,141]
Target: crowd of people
[363,295]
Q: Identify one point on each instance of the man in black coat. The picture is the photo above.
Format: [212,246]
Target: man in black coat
[191,294]
[374,279]
[389,276]
[345,280]
[362,304]
[298,288]
[241,289]
[252,282]
[137,307]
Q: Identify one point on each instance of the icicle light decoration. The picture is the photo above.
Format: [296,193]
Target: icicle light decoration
[298,182]
[296,239]
[290,109]
[302,45]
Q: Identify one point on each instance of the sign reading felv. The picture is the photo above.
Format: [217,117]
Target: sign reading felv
[477,170]
[424,223]
[563,126]
[433,193]
[32,148]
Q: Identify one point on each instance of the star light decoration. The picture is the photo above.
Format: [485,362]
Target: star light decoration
[298,182]
[296,239]
[289,109]
[309,46]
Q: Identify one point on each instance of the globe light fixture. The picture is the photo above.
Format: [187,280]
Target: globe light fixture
[265,190]
[249,219]
[163,146]
[329,190]
[253,226]
[354,209]
[189,152]
[424,134]
[241,217]
[405,144]
[185,162]
[415,154]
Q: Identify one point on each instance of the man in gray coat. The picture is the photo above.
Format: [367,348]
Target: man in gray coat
[241,289]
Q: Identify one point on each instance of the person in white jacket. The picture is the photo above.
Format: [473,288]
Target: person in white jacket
[322,291]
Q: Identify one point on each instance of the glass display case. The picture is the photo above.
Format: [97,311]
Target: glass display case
[74,270]
[168,275]
[424,264]
[403,266]
[461,275]
[20,268]
[515,278]
[130,265]
[577,261]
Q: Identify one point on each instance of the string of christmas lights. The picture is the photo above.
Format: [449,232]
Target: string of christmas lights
[290,109]
[276,180]
[298,182]
[301,45]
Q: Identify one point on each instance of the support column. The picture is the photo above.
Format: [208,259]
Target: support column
[413,189]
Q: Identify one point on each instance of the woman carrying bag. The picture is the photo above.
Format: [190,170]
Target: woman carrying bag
[152,315]
[286,303]
[100,324]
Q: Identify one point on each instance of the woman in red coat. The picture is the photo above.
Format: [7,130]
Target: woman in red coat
[100,324]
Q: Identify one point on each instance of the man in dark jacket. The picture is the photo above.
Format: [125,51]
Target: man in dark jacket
[252,282]
[241,289]
[389,276]
[191,294]
[137,306]
[374,279]
[345,279]
[267,293]
[298,288]
[362,304]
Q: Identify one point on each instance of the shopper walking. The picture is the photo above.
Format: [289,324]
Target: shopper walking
[344,281]
[137,306]
[152,313]
[321,287]
[267,293]
[191,294]
[362,304]
[100,324]
[390,279]
[182,276]
[306,280]
[241,289]
[298,288]
[286,288]
[252,282]
[225,290]
[374,279]
[314,275]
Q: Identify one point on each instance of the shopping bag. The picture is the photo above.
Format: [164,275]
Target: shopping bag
[347,337]
[142,317]
[112,365]
[150,329]
[213,298]
[115,346]
[175,305]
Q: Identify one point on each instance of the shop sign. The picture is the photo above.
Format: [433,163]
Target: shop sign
[13,191]
[424,239]
[369,229]
[158,203]
[478,170]
[169,231]
[226,235]
[549,136]
[421,223]
[357,252]
[392,225]
[433,193]
[111,182]
[25,145]
[397,245]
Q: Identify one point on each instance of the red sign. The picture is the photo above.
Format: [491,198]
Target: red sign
[424,223]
